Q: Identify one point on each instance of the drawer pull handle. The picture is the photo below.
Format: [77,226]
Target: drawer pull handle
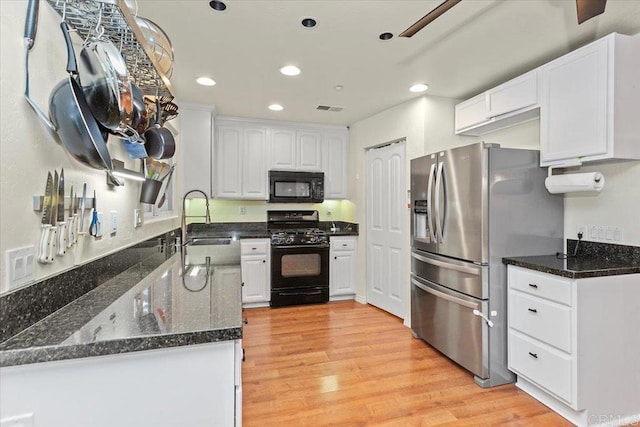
[533,285]
[344,245]
[533,310]
[534,355]
[254,249]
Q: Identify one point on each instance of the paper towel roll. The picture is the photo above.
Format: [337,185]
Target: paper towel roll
[574,182]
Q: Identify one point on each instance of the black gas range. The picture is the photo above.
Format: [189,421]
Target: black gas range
[299,258]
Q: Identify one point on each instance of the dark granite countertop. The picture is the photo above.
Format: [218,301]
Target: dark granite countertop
[257,230]
[145,307]
[575,268]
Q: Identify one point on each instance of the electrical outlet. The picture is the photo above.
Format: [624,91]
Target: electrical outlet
[20,266]
[114,222]
[242,210]
[328,212]
[137,218]
[23,420]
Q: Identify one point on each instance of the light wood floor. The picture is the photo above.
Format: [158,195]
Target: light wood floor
[349,364]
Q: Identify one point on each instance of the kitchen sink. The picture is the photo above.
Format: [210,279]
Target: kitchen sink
[208,241]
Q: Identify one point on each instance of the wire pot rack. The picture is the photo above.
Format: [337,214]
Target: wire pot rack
[119,26]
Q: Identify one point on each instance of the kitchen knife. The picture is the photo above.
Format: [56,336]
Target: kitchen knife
[71,228]
[76,220]
[82,207]
[62,225]
[46,254]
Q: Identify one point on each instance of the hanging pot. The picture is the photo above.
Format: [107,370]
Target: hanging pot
[71,116]
[159,141]
[140,120]
[107,88]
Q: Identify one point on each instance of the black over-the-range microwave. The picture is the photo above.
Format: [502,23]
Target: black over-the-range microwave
[296,187]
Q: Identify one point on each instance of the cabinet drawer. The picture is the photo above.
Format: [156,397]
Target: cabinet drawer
[342,244]
[541,319]
[541,365]
[539,284]
[254,247]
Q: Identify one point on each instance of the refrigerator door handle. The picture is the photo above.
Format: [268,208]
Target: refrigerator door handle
[455,300]
[461,268]
[430,227]
[440,188]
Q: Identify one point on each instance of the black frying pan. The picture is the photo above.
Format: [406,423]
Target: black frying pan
[159,141]
[79,131]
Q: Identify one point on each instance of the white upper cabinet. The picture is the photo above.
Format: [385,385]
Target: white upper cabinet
[283,149]
[309,150]
[513,102]
[196,125]
[296,149]
[590,104]
[241,166]
[334,160]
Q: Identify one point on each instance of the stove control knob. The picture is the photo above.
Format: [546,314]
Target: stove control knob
[289,240]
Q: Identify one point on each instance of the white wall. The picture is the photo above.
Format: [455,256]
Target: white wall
[26,152]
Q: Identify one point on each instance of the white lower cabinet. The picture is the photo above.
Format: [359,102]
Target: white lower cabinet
[574,345]
[192,385]
[256,271]
[342,266]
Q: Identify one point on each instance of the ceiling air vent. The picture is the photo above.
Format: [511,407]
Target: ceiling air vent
[329,108]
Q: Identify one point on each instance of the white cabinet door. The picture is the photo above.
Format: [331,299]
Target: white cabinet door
[228,173]
[195,139]
[309,146]
[255,265]
[342,266]
[589,106]
[335,156]
[254,163]
[254,278]
[470,112]
[516,94]
[573,120]
[283,149]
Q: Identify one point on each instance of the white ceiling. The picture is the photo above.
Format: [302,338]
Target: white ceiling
[474,46]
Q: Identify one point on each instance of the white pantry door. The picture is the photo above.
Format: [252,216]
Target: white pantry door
[386,205]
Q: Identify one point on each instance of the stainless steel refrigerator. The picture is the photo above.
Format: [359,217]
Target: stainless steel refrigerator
[472,206]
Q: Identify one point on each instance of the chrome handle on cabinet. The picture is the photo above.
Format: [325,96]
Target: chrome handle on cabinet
[243,355]
[534,355]
[533,285]
[533,310]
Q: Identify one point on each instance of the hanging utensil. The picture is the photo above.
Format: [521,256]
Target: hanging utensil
[105,82]
[71,225]
[159,141]
[95,228]
[82,207]
[166,187]
[61,244]
[79,131]
[45,254]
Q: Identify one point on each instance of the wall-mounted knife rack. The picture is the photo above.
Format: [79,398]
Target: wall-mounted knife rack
[38,201]
[122,30]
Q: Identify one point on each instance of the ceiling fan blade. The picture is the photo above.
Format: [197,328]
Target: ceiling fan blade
[429,17]
[587,9]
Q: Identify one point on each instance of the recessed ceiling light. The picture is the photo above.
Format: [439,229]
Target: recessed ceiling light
[338,88]
[205,81]
[385,36]
[419,87]
[290,70]
[309,23]
[217,5]
[276,107]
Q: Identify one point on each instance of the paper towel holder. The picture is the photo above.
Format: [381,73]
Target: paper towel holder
[568,164]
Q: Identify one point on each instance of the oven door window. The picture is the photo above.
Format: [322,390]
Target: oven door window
[300,265]
[292,189]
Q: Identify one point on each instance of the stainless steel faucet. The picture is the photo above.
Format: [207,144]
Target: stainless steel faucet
[207,219]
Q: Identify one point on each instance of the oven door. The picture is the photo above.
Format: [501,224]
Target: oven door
[299,274]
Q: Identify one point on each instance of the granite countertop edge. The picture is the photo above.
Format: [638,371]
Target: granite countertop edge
[53,353]
[541,263]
